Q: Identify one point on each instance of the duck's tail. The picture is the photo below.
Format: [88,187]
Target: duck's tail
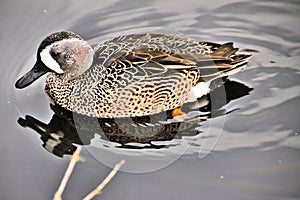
[224,60]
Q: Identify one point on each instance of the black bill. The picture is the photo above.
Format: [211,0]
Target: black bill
[37,71]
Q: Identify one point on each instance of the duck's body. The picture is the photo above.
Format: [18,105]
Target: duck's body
[135,75]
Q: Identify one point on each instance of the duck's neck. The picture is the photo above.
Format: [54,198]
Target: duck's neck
[86,58]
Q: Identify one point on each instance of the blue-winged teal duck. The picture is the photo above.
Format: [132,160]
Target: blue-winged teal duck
[130,75]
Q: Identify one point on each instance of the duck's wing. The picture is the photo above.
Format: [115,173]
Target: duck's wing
[141,63]
[137,62]
[145,62]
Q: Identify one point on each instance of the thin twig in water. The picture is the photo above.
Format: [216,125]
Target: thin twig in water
[100,187]
[75,158]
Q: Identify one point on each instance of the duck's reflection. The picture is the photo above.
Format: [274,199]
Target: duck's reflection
[66,128]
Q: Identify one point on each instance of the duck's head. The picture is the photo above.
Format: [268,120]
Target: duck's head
[63,53]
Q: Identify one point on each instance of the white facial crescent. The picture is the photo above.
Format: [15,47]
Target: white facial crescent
[49,61]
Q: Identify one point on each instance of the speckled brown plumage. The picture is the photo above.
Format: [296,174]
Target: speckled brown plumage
[138,75]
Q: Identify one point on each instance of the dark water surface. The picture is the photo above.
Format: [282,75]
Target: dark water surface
[249,150]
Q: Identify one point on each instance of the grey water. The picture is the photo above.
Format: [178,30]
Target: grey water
[249,150]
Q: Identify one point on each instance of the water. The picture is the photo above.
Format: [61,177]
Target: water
[255,148]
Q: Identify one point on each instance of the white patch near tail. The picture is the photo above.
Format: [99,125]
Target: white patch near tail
[199,90]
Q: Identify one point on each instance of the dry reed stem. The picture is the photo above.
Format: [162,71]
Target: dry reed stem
[100,187]
[75,158]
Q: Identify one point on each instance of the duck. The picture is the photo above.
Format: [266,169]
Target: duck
[130,75]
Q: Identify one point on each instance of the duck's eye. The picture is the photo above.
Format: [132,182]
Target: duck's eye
[55,53]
